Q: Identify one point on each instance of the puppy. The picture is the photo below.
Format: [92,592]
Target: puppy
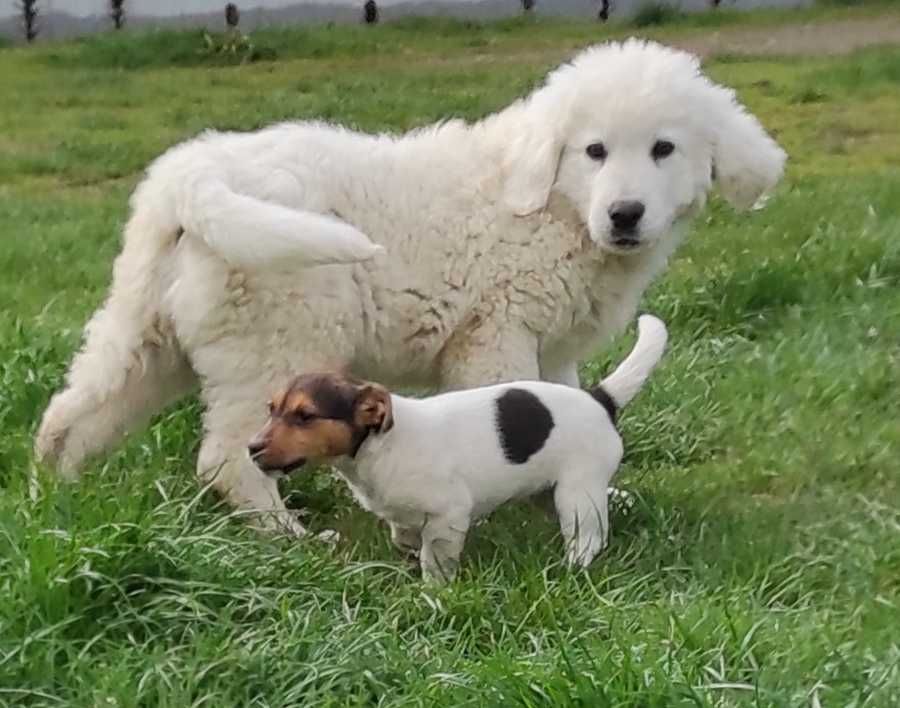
[429,467]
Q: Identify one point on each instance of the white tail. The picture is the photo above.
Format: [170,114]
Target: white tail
[249,232]
[624,383]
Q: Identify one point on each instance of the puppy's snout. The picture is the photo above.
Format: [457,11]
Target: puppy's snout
[625,214]
[256,448]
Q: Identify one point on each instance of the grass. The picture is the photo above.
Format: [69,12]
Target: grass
[760,565]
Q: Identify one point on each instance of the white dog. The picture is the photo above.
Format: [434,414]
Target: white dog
[515,247]
[430,467]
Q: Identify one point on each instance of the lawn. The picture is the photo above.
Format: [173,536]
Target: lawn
[760,564]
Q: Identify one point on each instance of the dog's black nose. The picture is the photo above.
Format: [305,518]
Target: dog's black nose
[625,215]
[255,448]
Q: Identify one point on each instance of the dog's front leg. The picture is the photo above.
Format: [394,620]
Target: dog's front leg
[490,354]
[225,466]
[565,373]
[443,538]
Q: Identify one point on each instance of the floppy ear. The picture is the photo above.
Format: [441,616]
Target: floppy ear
[747,163]
[373,408]
[532,149]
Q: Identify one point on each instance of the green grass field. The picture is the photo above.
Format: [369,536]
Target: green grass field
[761,563]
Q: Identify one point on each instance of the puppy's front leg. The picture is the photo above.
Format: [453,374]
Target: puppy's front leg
[443,538]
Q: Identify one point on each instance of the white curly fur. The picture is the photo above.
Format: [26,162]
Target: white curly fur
[499,259]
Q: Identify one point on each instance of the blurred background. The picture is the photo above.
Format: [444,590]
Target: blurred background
[64,18]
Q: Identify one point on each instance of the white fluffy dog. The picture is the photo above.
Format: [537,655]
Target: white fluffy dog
[515,247]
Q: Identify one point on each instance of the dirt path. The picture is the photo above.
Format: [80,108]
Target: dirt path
[829,37]
[821,37]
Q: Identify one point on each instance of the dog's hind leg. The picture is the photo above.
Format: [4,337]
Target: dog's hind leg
[581,497]
[130,365]
[109,392]
[583,520]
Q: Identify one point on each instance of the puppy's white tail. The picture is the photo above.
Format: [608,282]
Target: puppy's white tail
[624,383]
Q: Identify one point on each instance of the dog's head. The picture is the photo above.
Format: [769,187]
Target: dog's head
[634,136]
[319,417]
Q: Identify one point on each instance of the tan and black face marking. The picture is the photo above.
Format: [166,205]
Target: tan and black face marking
[320,416]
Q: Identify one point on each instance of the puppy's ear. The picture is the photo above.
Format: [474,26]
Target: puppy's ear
[373,408]
[532,148]
[747,163]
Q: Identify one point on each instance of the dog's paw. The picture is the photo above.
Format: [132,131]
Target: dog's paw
[329,536]
[621,499]
[409,554]
[284,523]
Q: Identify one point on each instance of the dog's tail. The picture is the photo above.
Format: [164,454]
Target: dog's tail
[244,220]
[623,384]
[249,232]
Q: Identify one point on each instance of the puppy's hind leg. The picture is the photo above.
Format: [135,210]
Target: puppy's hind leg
[584,522]
[581,503]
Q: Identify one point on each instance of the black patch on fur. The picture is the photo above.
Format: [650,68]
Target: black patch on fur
[523,423]
[604,399]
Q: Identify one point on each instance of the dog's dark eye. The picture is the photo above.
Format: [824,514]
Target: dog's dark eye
[661,149]
[596,151]
[300,417]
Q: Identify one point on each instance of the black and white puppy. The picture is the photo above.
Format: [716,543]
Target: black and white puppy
[430,467]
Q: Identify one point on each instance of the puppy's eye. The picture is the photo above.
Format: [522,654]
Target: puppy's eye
[596,151]
[661,149]
[300,417]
